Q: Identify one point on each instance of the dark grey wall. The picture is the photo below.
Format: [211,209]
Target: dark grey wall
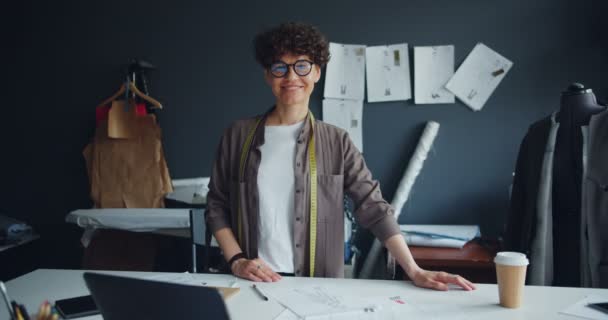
[63,58]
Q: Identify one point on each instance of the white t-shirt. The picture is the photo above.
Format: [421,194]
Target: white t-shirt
[276,187]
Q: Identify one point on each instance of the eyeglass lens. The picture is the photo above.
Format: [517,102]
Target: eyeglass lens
[300,67]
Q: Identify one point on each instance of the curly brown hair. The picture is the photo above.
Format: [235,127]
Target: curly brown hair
[291,37]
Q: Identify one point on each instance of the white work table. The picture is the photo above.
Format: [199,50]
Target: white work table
[539,302]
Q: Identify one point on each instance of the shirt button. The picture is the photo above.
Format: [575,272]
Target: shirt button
[298,164]
[297,245]
[297,190]
[299,140]
[298,219]
[298,271]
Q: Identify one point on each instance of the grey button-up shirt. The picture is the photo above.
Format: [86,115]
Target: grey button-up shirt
[340,168]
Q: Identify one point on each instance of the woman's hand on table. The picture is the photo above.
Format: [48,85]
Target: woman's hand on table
[254,270]
[439,280]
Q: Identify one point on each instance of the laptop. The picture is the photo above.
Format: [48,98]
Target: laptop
[122,298]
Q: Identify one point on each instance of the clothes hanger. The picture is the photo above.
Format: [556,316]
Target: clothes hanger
[142,95]
[132,88]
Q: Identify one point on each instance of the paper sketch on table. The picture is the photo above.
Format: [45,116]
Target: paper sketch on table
[315,301]
[345,73]
[347,115]
[388,73]
[478,76]
[433,67]
[193,279]
[287,315]
[386,308]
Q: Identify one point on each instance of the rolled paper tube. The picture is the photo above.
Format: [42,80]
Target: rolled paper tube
[403,190]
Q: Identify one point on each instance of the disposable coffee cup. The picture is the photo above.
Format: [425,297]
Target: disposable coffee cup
[511,274]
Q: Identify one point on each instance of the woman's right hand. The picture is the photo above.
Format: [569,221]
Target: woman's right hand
[254,270]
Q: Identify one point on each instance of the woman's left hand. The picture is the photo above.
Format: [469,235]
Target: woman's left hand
[439,280]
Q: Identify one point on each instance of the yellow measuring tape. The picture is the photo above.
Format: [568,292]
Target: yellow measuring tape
[244,154]
[313,187]
[313,195]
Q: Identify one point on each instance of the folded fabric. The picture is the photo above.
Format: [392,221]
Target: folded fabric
[456,232]
[191,191]
[137,220]
[424,241]
[13,230]
[450,236]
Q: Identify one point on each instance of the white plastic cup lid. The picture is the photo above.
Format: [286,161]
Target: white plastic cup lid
[510,258]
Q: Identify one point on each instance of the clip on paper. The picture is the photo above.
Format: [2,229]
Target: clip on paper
[498,72]
[396,58]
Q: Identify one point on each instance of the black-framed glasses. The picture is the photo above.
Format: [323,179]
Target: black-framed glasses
[302,68]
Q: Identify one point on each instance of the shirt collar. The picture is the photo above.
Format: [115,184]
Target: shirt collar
[302,135]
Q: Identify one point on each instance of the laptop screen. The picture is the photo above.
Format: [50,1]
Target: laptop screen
[122,298]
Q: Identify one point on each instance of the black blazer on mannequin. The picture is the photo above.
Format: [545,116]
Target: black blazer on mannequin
[522,214]
[523,224]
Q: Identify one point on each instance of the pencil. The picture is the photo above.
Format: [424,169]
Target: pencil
[262,295]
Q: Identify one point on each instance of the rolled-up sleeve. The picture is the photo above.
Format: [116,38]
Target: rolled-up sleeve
[217,214]
[371,210]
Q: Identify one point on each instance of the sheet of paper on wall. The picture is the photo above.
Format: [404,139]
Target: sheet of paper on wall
[478,76]
[433,67]
[347,115]
[345,73]
[388,73]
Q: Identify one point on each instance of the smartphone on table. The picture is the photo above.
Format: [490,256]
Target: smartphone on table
[76,307]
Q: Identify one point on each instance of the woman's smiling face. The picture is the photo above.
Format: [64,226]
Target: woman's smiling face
[293,89]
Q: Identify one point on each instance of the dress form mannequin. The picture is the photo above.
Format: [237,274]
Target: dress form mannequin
[577,105]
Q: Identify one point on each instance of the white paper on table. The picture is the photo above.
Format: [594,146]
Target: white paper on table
[433,67]
[385,308]
[287,315]
[315,302]
[388,73]
[193,280]
[394,308]
[580,309]
[345,73]
[478,76]
[347,115]
[443,311]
